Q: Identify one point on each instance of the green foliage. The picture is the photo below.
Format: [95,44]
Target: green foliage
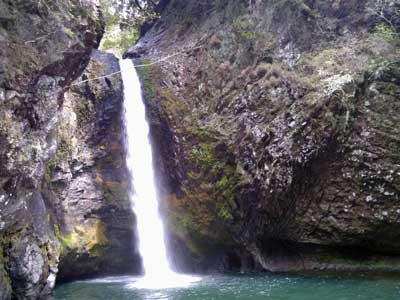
[387,33]
[70,241]
[4,276]
[123,19]
[91,238]
[118,41]
[243,28]
[57,232]
[204,156]
[83,111]
[63,153]
[210,191]
[225,191]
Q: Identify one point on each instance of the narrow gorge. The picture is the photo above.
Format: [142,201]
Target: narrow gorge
[267,142]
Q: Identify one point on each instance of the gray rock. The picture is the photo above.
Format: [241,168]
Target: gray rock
[5,287]
[286,149]
[91,181]
[33,73]
[26,267]
[2,95]
[10,95]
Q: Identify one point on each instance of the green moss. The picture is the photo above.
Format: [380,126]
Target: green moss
[244,29]
[387,33]
[5,279]
[225,191]
[224,212]
[63,153]
[57,232]
[146,72]
[90,238]
[70,241]
[391,89]
[209,192]
[94,238]
[83,112]
[203,156]
[172,106]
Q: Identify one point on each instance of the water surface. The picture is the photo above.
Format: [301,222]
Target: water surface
[240,287]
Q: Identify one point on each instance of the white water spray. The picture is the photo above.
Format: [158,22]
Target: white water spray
[158,273]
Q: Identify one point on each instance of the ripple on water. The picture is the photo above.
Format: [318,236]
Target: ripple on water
[174,280]
[264,287]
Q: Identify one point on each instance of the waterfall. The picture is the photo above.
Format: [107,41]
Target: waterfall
[143,196]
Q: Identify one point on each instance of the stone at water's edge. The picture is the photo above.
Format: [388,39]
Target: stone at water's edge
[277,133]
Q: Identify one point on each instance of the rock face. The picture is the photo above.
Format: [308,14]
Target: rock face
[61,172]
[277,130]
[87,180]
[276,126]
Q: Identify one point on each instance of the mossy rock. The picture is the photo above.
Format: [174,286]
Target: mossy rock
[5,283]
[91,239]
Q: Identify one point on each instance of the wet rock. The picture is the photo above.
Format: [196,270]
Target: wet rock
[37,64]
[5,286]
[309,135]
[89,178]
[2,95]
[135,52]
[10,95]
[27,267]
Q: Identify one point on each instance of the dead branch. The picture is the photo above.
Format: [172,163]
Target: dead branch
[40,38]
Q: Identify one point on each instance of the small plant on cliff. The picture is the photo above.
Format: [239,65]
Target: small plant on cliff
[146,72]
[386,32]
[215,178]
[243,29]
[386,11]
[387,14]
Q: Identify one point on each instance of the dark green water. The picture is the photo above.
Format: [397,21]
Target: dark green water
[241,287]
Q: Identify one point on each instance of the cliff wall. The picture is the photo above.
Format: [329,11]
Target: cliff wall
[63,203]
[278,130]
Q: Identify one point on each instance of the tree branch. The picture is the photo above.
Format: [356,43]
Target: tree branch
[43,37]
[138,4]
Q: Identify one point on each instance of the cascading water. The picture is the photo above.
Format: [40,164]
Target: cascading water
[158,273]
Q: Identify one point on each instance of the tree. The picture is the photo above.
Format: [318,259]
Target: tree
[387,19]
[123,20]
[387,12]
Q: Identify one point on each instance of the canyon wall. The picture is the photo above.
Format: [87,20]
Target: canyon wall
[64,208]
[277,130]
[275,126]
